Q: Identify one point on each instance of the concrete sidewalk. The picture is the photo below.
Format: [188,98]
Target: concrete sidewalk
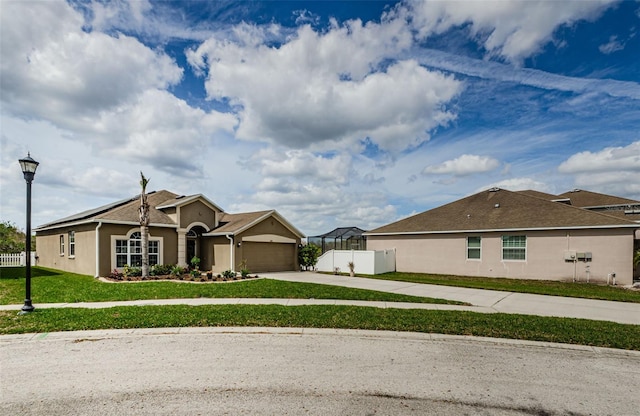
[254,301]
[485,300]
[482,301]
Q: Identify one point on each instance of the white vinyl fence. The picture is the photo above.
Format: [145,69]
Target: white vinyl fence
[16,259]
[365,262]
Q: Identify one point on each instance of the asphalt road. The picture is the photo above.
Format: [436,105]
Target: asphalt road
[269,371]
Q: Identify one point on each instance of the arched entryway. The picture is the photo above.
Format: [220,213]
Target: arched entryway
[194,242]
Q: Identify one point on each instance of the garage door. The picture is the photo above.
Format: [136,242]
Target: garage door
[269,257]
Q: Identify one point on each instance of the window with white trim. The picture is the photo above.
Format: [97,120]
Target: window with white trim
[72,243]
[514,247]
[129,252]
[474,248]
[62,244]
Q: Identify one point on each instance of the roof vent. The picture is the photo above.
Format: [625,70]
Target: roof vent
[494,189]
[468,216]
[496,206]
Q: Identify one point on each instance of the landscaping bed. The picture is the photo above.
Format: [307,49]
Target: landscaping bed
[186,277]
[175,272]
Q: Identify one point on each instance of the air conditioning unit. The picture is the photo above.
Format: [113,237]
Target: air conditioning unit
[570,255]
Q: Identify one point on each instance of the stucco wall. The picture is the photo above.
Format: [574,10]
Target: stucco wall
[48,249]
[84,262]
[267,229]
[216,251]
[446,254]
[215,254]
[106,231]
[197,212]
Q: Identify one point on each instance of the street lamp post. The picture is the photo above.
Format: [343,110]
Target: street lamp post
[29,167]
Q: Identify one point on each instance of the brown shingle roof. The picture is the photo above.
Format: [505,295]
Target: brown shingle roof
[500,210]
[538,194]
[231,223]
[129,212]
[581,198]
[125,210]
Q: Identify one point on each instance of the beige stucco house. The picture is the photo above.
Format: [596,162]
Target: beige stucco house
[578,235]
[97,241]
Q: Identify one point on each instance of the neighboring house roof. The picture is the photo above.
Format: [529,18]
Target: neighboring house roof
[501,210]
[341,232]
[587,199]
[538,194]
[231,224]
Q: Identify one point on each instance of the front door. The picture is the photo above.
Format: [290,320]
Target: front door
[191,249]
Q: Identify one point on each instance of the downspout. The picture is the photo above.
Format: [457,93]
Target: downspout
[231,249]
[98,249]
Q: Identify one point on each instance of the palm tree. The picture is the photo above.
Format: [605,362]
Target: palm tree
[143,212]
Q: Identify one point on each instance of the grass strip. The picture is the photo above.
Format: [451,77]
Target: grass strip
[539,287]
[53,286]
[524,327]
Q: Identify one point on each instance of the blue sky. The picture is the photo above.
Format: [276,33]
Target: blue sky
[333,113]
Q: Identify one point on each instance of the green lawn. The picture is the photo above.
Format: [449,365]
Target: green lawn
[54,286]
[563,330]
[540,287]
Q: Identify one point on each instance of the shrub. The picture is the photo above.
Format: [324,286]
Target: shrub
[129,271]
[308,256]
[195,273]
[115,274]
[195,262]
[177,271]
[160,269]
[244,270]
[228,274]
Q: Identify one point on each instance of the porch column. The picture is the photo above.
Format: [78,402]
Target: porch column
[182,247]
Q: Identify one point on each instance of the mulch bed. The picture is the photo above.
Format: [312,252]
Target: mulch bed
[182,278]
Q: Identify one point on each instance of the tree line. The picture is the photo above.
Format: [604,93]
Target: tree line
[12,239]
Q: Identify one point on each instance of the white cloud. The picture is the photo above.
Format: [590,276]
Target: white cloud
[328,90]
[612,46]
[107,92]
[519,184]
[315,191]
[303,165]
[525,76]
[53,69]
[464,165]
[612,159]
[612,170]
[512,29]
[161,130]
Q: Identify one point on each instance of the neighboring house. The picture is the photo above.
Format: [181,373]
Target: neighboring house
[527,234]
[97,241]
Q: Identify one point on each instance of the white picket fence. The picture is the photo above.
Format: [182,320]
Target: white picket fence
[365,262]
[16,259]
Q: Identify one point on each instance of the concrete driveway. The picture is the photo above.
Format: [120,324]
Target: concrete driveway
[485,300]
[289,371]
